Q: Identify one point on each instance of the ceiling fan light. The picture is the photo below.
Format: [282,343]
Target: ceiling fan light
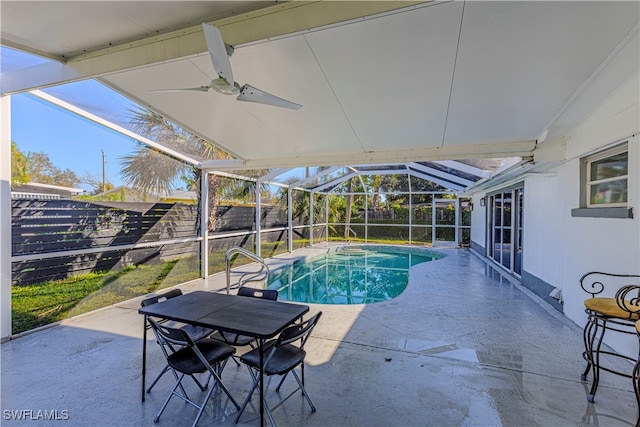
[220,85]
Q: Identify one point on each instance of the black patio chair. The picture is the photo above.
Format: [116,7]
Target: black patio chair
[281,357]
[195,332]
[243,340]
[206,355]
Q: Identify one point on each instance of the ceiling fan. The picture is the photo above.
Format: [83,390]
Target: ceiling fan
[225,84]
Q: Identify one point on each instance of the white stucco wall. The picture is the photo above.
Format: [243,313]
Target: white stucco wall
[558,248]
[478,221]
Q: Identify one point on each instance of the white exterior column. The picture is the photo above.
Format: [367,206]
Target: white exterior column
[5,218]
[289,221]
[366,217]
[326,217]
[457,213]
[311,218]
[258,240]
[204,223]
[410,209]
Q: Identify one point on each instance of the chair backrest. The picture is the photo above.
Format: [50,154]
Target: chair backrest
[270,294]
[170,335]
[298,331]
[162,297]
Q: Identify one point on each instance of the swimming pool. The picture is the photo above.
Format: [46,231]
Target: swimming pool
[349,275]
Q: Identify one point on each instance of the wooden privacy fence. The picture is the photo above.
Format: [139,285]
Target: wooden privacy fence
[100,235]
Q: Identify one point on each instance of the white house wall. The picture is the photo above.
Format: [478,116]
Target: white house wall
[595,244]
[558,248]
[478,224]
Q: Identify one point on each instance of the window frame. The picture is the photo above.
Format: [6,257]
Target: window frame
[585,177]
[603,210]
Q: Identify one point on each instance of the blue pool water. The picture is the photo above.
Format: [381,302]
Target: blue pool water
[349,275]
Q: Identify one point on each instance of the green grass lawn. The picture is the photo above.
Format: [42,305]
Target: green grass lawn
[40,304]
[44,303]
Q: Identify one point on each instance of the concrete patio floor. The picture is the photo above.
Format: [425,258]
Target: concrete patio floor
[462,346]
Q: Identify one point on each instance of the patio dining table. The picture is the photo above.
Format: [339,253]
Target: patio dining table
[254,317]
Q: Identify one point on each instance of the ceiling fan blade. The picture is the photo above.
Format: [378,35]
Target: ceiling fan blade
[186,89]
[218,52]
[251,94]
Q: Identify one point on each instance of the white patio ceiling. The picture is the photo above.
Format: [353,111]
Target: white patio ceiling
[407,83]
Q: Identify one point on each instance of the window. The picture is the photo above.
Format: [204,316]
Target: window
[604,181]
[606,178]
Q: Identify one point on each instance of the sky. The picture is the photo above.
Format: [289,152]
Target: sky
[70,141]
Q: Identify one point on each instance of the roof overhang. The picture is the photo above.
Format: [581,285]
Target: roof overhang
[379,81]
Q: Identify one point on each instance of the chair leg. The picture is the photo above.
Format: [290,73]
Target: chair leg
[636,386]
[269,410]
[588,336]
[202,405]
[216,373]
[595,353]
[281,381]
[166,369]
[635,377]
[166,402]
[248,398]
[304,391]
[235,359]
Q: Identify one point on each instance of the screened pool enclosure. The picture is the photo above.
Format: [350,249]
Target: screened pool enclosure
[271,211]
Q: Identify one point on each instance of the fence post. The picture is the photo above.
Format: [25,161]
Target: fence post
[5,218]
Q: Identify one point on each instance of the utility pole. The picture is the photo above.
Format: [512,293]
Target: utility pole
[104,170]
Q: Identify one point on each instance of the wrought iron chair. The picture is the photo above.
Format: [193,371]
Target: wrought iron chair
[636,374]
[195,332]
[618,313]
[281,358]
[243,340]
[207,355]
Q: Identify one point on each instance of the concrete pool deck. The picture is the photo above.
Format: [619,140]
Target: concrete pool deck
[462,346]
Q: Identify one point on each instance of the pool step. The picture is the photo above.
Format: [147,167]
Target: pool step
[351,251]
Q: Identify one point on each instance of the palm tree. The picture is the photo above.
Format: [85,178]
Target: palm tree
[152,171]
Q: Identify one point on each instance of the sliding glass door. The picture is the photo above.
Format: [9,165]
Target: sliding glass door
[506,228]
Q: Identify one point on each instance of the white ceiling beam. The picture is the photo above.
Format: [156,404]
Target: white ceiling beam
[222,165]
[455,152]
[269,22]
[38,77]
[232,175]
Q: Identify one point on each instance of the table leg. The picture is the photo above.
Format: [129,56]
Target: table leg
[144,355]
[261,346]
